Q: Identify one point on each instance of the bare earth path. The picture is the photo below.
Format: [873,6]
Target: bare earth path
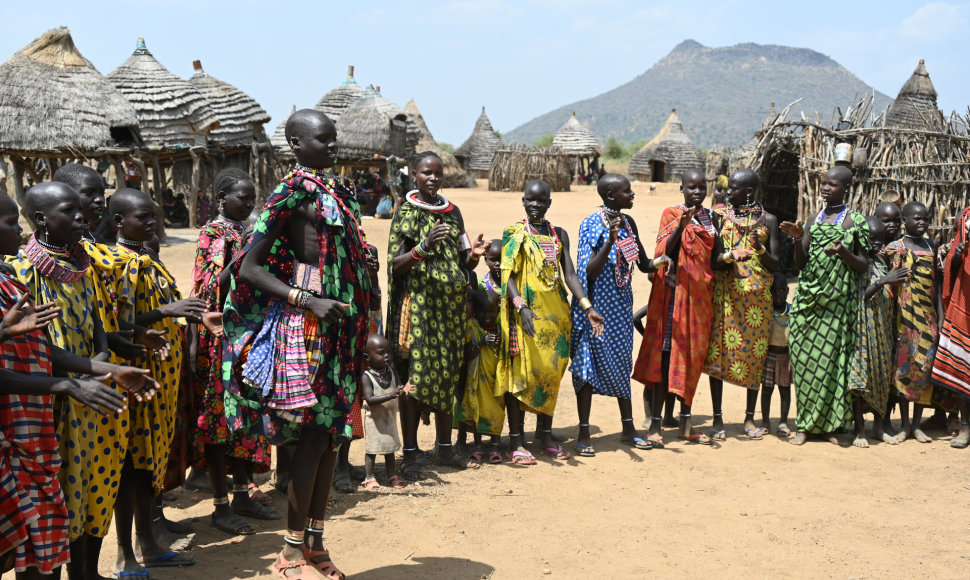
[739,509]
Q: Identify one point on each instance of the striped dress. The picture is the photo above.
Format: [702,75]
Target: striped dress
[952,366]
[33,517]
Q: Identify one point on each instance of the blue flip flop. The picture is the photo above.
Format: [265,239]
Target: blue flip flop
[167,560]
[585,450]
[121,575]
[638,442]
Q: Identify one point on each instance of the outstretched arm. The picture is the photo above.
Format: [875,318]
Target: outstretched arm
[575,286]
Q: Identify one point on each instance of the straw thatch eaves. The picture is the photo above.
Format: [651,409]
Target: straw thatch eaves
[455,175]
[575,139]
[516,165]
[915,107]
[278,140]
[240,117]
[371,129]
[475,154]
[53,102]
[340,98]
[170,110]
[668,155]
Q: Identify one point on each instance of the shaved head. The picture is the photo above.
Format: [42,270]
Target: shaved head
[305,120]
[747,177]
[841,173]
[609,183]
[44,195]
[691,174]
[125,199]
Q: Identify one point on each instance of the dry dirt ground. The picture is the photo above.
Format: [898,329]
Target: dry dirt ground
[738,509]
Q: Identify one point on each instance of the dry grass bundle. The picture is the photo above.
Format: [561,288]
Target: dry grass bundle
[516,165]
[371,128]
[340,98]
[53,100]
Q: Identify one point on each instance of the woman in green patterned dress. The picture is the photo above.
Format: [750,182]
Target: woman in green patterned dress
[832,255]
[429,256]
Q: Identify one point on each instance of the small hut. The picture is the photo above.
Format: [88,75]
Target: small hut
[278,139]
[370,130]
[239,140]
[455,175]
[55,107]
[475,154]
[885,151]
[341,97]
[514,166]
[578,142]
[174,117]
[667,155]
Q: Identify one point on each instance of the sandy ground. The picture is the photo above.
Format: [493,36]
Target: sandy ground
[739,509]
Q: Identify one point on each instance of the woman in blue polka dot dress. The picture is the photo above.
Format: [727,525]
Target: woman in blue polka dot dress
[608,251]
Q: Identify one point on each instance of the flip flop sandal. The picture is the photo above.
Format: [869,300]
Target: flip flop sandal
[168,559]
[638,443]
[697,438]
[412,471]
[521,458]
[754,434]
[720,435]
[495,457]
[320,560]
[395,482]
[585,450]
[258,495]
[122,574]
[370,484]
[557,453]
[478,457]
[783,432]
[656,440]
[236,526]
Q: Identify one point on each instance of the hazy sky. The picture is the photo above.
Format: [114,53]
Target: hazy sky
[518,59]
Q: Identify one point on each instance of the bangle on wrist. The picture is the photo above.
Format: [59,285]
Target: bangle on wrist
[585,304]
[518,303]
[656,262]
[727,258]
[761,251]
[292,296]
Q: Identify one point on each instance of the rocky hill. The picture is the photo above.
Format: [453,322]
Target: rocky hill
[721,94]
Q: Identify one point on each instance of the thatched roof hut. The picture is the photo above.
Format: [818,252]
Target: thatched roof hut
[455,175]
[915,106]
[516,165]
[240,117]
[667,155]
[932,167]
[371,129]
[170,110]
[475,154]
[341,97]
[53,101]
[278,140]
[575,139]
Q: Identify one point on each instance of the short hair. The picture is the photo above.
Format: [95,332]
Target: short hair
[875,223]
[779,277]
[125,198]
[912,207]
[538,183]
[690,173]
[422,156]
[73,173]
[748,175]
[495,243]
[43,193]
[300,118]
[843,173]
[606,183]
[227,178]
[886,205]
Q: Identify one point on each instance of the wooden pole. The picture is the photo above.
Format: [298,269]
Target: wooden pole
[194,189]
[18,187]
[3,175]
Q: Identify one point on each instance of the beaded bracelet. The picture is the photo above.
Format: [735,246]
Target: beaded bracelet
[518,303]
[303,299]
[418,252]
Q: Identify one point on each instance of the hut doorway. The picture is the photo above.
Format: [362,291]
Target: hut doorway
[658,170]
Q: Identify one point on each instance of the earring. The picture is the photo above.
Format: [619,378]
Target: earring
[222,206]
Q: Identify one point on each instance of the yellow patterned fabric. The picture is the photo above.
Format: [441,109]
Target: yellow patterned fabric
[143,284]
[92,446]
[533,373]
[482,405]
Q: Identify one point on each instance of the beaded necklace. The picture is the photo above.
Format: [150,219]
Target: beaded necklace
[442,205]
[316,177]
[838,220]
[774,313]
[923,241]
[550,250]
[51,247]
[626,248]
[48,267]
[747,212]
[490,284]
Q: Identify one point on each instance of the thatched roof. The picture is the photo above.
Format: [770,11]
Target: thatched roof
[278,140]
[575,139]
[240,117]
[372,126]
[672,147]
[170,110]
[335,102]
[477,151]
[915,107]
[455,175]
[53,99]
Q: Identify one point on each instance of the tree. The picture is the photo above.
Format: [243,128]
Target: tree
[614,149]
[544,141]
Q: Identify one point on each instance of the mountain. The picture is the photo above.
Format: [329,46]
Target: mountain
[722,95]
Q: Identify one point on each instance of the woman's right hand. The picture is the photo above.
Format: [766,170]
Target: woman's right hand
[792,230]
[895,276]
[438,232]
[189,308]
[329,311]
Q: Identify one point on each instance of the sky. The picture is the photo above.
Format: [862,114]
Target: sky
[518,59]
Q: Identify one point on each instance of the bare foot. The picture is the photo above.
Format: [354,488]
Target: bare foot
[920,436]
[962,439]
[831,438]
[880,435]
[798,439]
[901,436]
[861,442]
[953,425]
[783,430]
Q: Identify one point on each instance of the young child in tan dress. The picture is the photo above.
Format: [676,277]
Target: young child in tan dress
[381,391]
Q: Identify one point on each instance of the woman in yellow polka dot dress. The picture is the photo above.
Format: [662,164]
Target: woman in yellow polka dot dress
[55,267]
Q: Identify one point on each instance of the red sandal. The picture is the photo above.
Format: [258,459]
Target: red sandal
[320,559]
[281,566]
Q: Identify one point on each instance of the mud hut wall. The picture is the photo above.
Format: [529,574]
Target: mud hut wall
[512,168]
